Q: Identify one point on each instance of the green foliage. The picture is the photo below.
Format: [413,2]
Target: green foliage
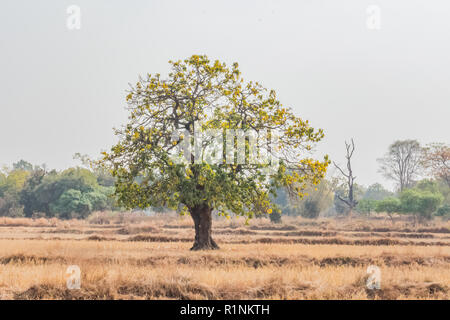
[443,210]
[427,185]
[435,186]
[10,186]
[2,179]
[104,177]
[275,216]
[342,190]
[44,196]
[421,203]
[198,90]
[389,205]
[28,197]
[376,191]
[9,206]
[75,192]
[14,182]
[71,201]
[366,206]
[23,165]
[74,203]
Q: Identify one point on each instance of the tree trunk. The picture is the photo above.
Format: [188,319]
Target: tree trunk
[202,216]
[350,214]
[391,217]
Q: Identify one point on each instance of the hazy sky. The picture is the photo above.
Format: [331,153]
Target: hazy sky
[63,91]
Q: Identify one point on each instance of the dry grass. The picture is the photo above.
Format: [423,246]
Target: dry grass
[149,258]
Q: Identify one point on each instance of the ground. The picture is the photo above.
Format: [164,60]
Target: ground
[135,257]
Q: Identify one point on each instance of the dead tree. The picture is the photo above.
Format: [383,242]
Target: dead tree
[349,201]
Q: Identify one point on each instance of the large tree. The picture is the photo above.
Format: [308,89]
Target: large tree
[376,192]
[199,96]
[402,163]
[437,160]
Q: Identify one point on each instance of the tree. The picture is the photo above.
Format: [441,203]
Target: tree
[42,191]
[104,177]
[376,191]
[10,186]
[437,161]
[202,102]
[349,200]
[280,198]
[427,185]
[71,201]
[2,178]
[23,165]
[443,210]
[74,203]
[366,206]
[275,216]
[28,196]
[389,205]
[420,203]
[402,162]
[316,200]
[14,182]
[341,191]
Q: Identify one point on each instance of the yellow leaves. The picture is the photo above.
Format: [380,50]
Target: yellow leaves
[129,96]
[269,211]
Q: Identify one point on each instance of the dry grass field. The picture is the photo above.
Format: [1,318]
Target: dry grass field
[135,257]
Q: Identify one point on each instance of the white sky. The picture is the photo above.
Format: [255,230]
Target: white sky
[63,91]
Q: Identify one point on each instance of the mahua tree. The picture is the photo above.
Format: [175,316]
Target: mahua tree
[245,144]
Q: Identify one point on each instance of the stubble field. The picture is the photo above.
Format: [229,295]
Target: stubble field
[135,257]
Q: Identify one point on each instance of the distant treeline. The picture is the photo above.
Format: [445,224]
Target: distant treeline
[32,191]
[405,162]
[423,200]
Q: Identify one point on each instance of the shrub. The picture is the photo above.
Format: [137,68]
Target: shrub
[275,216]
[421,204]
[389,205]
[366,206]
[443,210]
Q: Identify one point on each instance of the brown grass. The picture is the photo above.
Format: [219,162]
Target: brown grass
[149,258]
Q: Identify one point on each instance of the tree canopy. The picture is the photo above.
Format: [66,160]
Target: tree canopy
[402,162]
[200,97]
